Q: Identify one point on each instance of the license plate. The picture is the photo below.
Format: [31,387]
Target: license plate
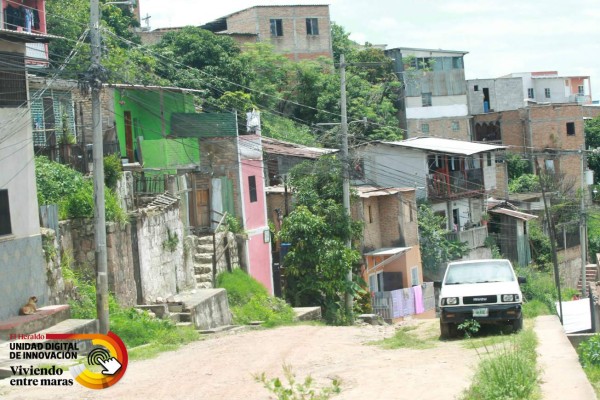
[480,312]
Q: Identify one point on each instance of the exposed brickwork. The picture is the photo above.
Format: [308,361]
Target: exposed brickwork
[440,127]
[295,42]
[538,129]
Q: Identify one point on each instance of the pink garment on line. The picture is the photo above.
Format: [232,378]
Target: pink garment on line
[418,293]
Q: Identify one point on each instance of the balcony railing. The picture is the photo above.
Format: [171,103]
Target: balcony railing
[455,184]
[475,237]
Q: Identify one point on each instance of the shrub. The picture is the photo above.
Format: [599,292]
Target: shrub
[589,352]
[524,184]
[113,170]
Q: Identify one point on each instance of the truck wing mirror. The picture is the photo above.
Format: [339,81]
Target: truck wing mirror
[521,279]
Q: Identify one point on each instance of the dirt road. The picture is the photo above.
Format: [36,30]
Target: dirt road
[223,367]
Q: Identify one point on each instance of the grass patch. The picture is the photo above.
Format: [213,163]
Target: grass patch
[402,339]
[507,372]
[249,300]
[535,308]
[589,357]
[593,375]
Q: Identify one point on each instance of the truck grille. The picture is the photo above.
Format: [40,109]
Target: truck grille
[480,299]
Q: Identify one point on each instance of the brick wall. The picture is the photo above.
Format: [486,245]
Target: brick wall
[295,42]
[441,127]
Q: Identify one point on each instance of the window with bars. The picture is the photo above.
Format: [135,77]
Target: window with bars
[312,26]
[530,94]
[252,188]
[547,93]
[276,27]
[426,99]
[13,83]
[51,115]
[5,227]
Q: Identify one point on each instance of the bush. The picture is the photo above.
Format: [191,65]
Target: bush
[113,170]
[524,184]
[249,300]
[80,204]
[589,352]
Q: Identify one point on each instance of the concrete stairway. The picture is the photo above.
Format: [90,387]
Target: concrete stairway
[591,275]
[203,262]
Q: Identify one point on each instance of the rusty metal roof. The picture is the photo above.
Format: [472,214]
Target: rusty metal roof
[513,213]
[27,37]
[274,146]
[374,191]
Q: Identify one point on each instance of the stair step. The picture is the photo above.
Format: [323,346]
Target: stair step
[205,240]
[180,324]
[185,317]
[203,258]
[205,248]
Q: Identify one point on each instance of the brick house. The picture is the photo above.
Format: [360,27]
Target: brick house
[552,132]
[298,31]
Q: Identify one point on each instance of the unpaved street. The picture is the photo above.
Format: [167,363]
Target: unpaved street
[222,367]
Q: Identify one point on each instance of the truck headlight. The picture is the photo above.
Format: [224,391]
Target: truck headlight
[450,301]
[510,297]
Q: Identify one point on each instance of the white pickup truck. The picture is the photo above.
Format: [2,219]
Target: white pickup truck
[484,290]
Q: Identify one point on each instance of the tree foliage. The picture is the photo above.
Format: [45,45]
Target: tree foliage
[592,141]
[436,249]
[318,261]
[517,165]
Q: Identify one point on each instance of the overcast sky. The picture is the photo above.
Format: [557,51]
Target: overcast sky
[501,36]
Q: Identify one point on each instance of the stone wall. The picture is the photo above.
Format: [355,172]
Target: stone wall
[162,270]
[77,238]
[54,277]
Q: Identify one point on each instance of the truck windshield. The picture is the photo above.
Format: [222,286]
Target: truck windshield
[489,271]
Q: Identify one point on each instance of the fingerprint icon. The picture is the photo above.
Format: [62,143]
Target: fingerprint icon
[98,354]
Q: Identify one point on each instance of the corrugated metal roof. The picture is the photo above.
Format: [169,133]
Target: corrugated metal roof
[152,87]
[431,50]
[442,145]
[374,191]
[27,37]
[274,146]
[203,125]
[388,251]
[513,213]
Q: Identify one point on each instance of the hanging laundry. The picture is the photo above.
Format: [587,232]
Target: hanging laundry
[28,19]
[418,293]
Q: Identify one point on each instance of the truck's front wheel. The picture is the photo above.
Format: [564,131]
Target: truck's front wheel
[517,324]
[448,330]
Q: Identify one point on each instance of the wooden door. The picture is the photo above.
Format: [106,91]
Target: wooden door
[129,137]
[202,208]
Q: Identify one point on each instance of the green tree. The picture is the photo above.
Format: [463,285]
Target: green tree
[121,57]
[213,61]
[592,141]
[517,165]
[436,249]
[318,261]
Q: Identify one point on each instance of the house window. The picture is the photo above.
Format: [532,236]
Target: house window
[5,228]
[547,93]
[455,126]
[530,94]
[425,128]
[414,276]
[489,159]
[276,27]
[476,88]
[580,90]
[13,84]
[549,165]
[252,188]
[370,215]
[571,128]
[312,26]
[426,99]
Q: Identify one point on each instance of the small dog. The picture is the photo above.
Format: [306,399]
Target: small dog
[30,307]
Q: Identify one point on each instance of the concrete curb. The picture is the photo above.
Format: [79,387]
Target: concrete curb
[562,376]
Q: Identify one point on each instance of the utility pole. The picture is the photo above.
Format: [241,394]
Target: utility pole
[552,239]
[99,209]
[345,159]
[583,227]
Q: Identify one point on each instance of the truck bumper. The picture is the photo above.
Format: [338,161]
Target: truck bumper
[497,313]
